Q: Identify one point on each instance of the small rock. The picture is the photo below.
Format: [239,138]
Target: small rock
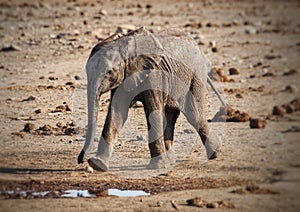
[296,103]
[238,95]
[30,98]
[174,205]
[215,49]
[290,89]
[11,47]
[289,108]
[38,111]
[250,31]
[212,205]
[290,72]
[77,77]
[29,127]
[258,123]
[278,110]
[103,12]
[52,78]
[194,202]
[89,169]
[234,71]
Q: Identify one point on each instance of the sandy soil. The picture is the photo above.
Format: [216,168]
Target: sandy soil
[44,47]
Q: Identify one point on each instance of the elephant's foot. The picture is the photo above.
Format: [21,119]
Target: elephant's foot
[171,156]
[158,162]
[98,164]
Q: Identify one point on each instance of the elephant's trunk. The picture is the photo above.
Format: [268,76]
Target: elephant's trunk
[93,104]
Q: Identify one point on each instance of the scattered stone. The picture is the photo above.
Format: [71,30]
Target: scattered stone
[290,72]
[271,57]
[216,74]
[289,108]
[89,169]
[258,123]
[278,110]
[194,202]
[228,114]
[70,83]
[29,127]
[292,129]
[103,12]
[38,111]
[60,129]
[254,189]
[30,98]
[258,89]
[268,74]
[62,109]
[234,71]
[77,77]
[11,47]
[174,205]
[238,95]
[198,202]
[137,104]
[290,89]
[52,78]
[250,31]
[215,49]
[212,205]
[296,104]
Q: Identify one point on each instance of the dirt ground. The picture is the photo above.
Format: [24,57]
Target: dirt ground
[44,47]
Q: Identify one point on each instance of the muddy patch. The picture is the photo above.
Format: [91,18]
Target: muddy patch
[117,187]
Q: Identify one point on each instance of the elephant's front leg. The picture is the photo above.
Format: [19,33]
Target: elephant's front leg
[155,116]
[116,117]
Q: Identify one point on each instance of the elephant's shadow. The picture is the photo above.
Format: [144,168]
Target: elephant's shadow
[9,170]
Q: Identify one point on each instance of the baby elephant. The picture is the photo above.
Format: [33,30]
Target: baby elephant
[166,71]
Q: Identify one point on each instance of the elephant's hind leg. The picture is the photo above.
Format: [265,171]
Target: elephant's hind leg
[154,111]
[171,117]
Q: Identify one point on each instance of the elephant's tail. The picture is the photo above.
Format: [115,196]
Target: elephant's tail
[216,92]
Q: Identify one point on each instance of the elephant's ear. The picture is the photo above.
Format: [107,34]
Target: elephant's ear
[134,80]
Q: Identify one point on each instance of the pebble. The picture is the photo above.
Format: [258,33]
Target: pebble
[89,169]
[234,71]
[278,110]
[11,47]
[250,31]
[30,98]
[258,123]
[38,111]
[194,202]
[291,88]
[29,127]
[103,12]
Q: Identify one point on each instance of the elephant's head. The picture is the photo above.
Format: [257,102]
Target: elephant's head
[105,71]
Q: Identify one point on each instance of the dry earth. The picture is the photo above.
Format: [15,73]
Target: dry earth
[44,47]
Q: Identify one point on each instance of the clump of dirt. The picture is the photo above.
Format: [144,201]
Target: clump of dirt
[254,189]
[234,71]
[217,75]
[229,114]
[64,108]
[29,127]
[290,107]
[198,202]
[258,123]
[68,129]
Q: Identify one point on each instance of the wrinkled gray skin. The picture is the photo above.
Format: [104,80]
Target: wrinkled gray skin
[166,71]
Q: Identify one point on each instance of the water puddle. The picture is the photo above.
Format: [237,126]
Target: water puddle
[73,193]
[77,193]
[126,193]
